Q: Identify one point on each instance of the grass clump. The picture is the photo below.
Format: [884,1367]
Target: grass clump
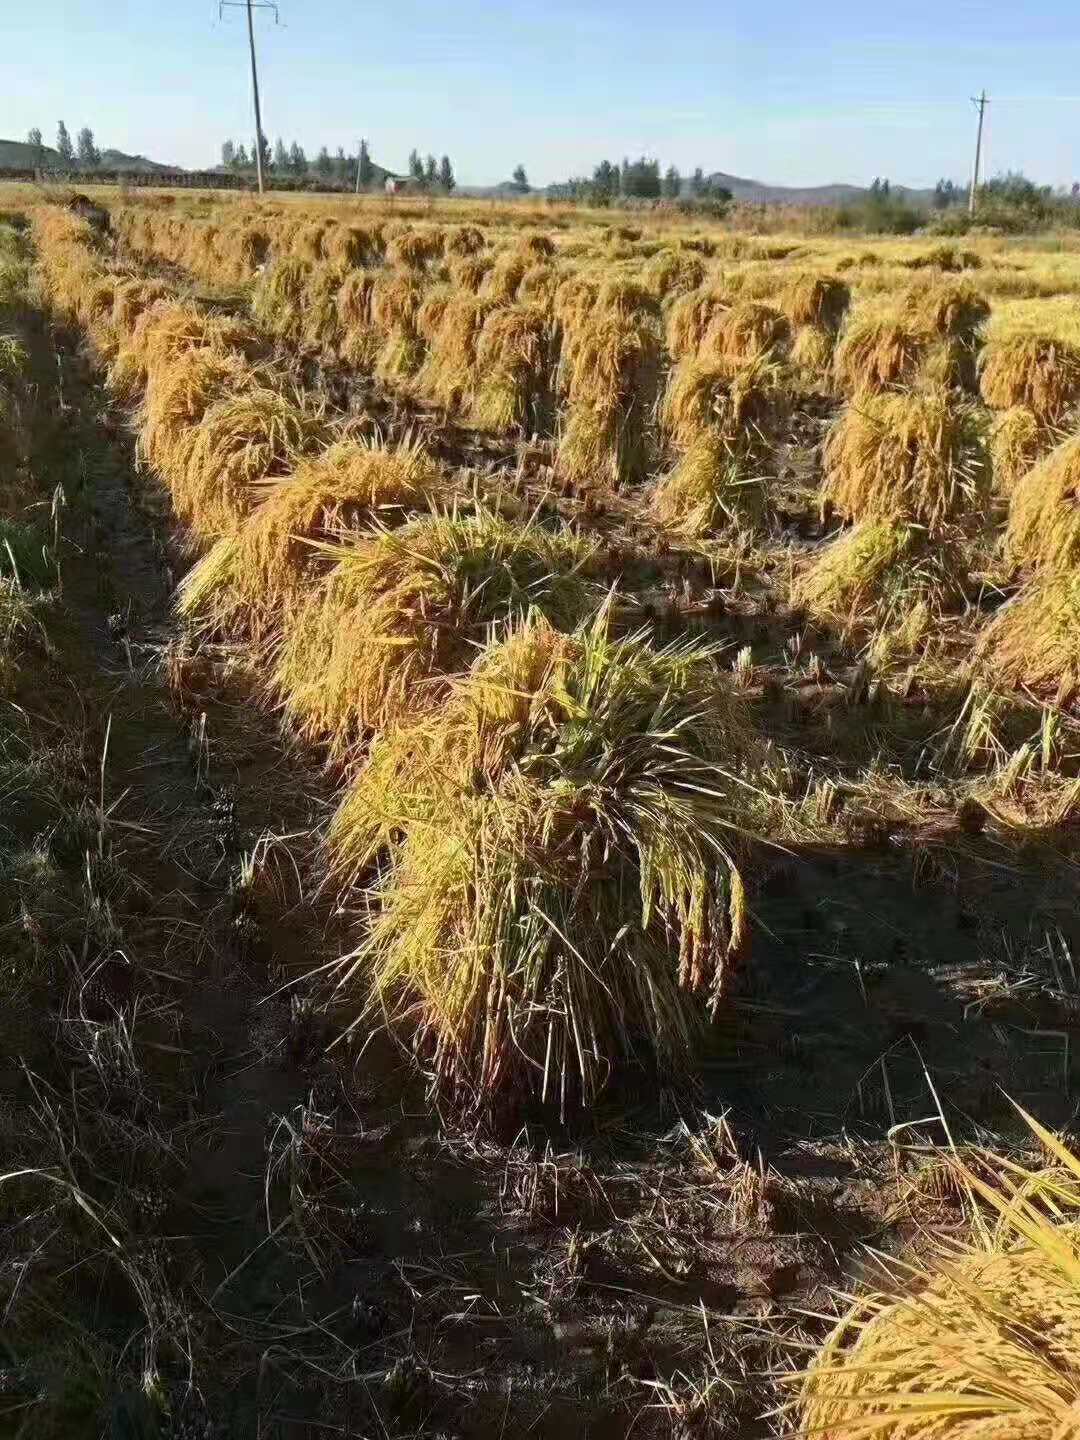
[248,577]
[404,608]
[559,853]
[1036,371]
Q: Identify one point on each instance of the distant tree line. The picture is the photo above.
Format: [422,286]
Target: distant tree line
[82,155]
[639,180]
[292,160]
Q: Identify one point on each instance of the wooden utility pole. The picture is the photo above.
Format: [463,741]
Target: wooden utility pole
[980,102]
[249,6]
[359,157]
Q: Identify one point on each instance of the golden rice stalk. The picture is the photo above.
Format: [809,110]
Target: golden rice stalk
[412,249]
[877,352]
[813,299]
[464,240]
[673,271]
[575,298]
[610,375]
[742,405]
[132,299]
[179,394]
[1043,530]
[349,246]
[624,296]
[359,340]
[241,440]
[1033,642]
[693,315]
[468,272]
[1015,442]
[748,329]
[166,331]
[402,609]
[956,310]
[709,489]
[980,1343]
[320,317]
[849,576]
[277,300]
[506,274]
[910,455]
[395,302]
[539,285]
[558,855]
[812,351]
[513,367]
[247,579]
[241,251]
[432,312]
[1038,371]
[449,374]
[307,241]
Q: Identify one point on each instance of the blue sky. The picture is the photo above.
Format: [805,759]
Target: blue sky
[788,92]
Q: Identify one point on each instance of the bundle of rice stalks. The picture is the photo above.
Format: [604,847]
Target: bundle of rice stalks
[359,340]
[179,394]
[277,299]
[132,299]
[1033,370]
[945,257]
[241,250]
[350,245]
[851,576]
[746,330]
[241,440]
[1043,530]
[812,299]
[307,241]
[505,275]
[249,577]
[449,374]
[167,331]
[1033,642]
[673,272]
[513,367]
[469,272]
[956,311]
[560,849]
[320,321]
[710,489]
[464,240]
[980,1344]
[1015,442]
[743,405]
[609,371]
[912,455]
[432,312]
[623,296]
[539,285]
[693,315]
[412,249]
[395,303]
[812,351]
[403,608]
[575,297]
[876,353]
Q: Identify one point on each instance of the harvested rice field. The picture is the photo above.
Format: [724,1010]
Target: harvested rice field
[538,868]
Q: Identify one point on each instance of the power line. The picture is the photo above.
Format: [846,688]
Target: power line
[980,102]
[249,6]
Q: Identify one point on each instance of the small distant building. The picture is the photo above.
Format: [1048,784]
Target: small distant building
[396,184]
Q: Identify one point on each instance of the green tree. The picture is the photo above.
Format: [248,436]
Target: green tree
[33,138]
[264,147]
[697,183]
[640,178]
[89,155]
[447,180]
[416,166]
[298,161]
[672,183]
[63,144]
[431,172]
[241,161]
[228,154]
[520,179]
[364,166]
[605,182]
[281,155]
[342,168]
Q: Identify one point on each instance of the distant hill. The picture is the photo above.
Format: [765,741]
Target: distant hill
[760,193]
[18,154]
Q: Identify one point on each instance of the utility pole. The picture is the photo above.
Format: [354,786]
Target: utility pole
[249,6]
[359,157]
[980,102]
